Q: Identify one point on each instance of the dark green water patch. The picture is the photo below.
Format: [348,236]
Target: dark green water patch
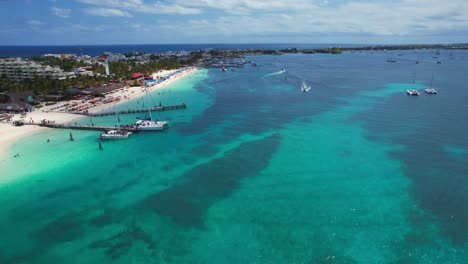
[439,178]
[205,150]
[118,245]
[24,258]
[187,201]
[71,189]
[108,216]
[126,185]
[65,228]
[63,191]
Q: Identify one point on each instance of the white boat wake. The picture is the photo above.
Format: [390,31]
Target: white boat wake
[305,87]
[276,73]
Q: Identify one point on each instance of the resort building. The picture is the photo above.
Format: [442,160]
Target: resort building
[19,69]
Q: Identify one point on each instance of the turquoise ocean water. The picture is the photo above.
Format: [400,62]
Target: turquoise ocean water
[255,171]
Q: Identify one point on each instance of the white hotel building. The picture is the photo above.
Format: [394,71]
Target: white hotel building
[18,70]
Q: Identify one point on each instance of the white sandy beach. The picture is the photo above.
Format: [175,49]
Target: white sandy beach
[10,134]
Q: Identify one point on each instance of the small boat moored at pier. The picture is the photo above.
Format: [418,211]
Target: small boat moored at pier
[150,125]
[116,134]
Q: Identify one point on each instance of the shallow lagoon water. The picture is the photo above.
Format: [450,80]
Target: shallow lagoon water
[254,171]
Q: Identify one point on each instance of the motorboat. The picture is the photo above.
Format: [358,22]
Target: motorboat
[305,87]
[115,134]
[150,125]
[412,92]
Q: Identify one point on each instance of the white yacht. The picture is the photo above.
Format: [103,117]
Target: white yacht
[150,125]
[431,91]
[116,134]
[412,92]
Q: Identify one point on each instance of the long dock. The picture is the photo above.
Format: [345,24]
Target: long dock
[84,127]
[132,111]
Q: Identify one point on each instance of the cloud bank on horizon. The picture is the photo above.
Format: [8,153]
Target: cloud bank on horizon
[229,21]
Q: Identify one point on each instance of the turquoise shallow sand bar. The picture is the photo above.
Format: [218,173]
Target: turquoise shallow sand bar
[256,171]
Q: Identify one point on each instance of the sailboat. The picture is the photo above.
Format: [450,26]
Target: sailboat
[431,90]
[413,91]
[305,87]
[116,133]
[147,123]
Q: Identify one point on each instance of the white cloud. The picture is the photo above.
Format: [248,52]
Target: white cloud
[159,8]
[114,3]
[399,18]
[88,27]
[61,12]
[140,6]
[107,12]
[35,23]
[217,18]
[252,6]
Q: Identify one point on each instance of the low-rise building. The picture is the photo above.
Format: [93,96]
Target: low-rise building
[19,69]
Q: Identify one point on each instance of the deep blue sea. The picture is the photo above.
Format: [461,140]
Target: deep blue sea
[96,50]
[256,171]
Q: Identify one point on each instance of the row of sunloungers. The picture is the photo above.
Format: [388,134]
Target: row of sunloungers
[6,117]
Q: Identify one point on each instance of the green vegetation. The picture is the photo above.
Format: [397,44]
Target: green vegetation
[65,64]
[123,69]
[50,86]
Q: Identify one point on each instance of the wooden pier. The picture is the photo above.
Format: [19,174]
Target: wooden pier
[133,111]
[85,127]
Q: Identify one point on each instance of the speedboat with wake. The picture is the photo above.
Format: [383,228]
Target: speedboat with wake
[305,87]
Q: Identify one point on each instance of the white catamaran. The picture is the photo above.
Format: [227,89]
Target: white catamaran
[147,124]
[431,90]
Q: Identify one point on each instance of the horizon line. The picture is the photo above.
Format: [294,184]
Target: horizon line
[226,43]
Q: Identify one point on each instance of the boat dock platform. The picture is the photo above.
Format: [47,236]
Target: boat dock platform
[85,127]
[133,111]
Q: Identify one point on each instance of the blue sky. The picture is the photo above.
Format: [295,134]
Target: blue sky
[69,22]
